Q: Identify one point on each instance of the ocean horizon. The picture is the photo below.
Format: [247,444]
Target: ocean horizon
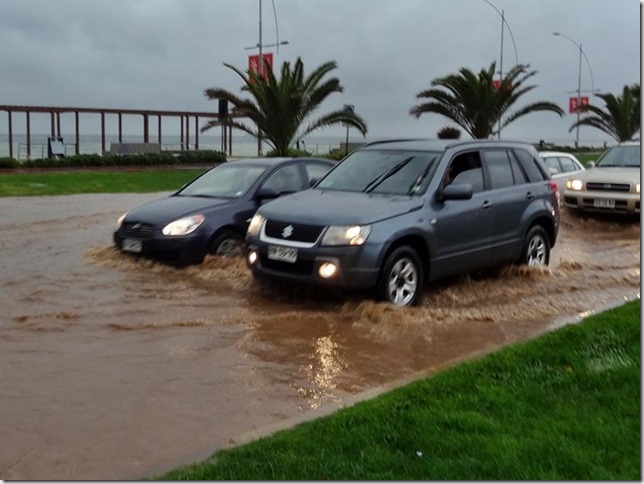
[242,146]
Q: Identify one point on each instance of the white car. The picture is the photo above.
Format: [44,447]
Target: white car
[612,185]
[561,166]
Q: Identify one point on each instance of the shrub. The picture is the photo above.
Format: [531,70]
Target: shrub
[95,160]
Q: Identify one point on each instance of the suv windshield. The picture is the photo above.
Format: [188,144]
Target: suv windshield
[621,156]
[382,171]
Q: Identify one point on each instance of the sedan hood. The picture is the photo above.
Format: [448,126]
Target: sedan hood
[328,207]
[168,209]
[609,175]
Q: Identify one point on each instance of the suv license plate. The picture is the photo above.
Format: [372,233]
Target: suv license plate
[600,203]
[285,254]
[132,245]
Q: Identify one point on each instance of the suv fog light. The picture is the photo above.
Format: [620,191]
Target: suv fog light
[252,257]
[328,269]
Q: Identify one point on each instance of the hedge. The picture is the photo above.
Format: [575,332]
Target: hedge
[147,159]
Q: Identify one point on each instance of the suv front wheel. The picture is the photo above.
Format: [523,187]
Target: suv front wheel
[401,279]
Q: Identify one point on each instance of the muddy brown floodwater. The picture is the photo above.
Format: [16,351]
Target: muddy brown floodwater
[117,368]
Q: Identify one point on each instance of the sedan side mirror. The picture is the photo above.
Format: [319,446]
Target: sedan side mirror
[456,191]
[265,193]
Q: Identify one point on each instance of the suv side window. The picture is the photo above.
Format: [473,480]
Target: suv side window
[466,168]
[497,163]
[530,166]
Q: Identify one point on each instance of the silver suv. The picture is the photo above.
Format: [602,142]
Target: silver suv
[612,185]
[394,215]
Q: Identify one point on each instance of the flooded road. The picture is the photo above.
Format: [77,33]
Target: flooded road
[117,368]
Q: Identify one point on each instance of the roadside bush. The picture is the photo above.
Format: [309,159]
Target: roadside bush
[95,160]
[7,162]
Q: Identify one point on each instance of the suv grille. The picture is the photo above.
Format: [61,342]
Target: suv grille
[135,229]
[293,232]
[609,187]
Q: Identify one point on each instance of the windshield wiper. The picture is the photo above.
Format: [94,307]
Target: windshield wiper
[419,179]
[382,177]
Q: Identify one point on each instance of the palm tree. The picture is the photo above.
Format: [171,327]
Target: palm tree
[280,107]
[474,103]
[621,117]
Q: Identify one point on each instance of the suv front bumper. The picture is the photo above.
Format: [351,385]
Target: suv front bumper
[356,267]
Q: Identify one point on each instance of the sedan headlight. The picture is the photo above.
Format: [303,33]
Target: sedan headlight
[184,226]
[346,235]
[255,225]
[575,185]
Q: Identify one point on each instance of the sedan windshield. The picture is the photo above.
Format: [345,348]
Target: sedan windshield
[382,171]
[225,180]
[621,156]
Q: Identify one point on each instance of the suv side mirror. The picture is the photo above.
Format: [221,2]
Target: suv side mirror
[265,193]
[456,191]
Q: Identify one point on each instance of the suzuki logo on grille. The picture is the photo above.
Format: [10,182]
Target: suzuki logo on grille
[136,226]
[287,232]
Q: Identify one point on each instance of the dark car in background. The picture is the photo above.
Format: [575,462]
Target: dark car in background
[394,215]
[211,213]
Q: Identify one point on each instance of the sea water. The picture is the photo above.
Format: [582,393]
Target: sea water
[242,146]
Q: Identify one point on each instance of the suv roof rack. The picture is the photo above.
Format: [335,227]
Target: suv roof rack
[397,140]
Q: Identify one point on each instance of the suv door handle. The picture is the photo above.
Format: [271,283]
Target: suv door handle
[529,195]
[487,204]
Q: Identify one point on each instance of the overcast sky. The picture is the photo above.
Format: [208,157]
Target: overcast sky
[162,54]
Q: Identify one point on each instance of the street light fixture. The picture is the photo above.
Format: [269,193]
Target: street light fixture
[504,24]
[592,80]
[256,46]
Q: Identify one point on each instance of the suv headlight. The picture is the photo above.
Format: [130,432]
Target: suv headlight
[575,185]
[346,235]
[637,188]
[184,226]
[119,222]
[255,225]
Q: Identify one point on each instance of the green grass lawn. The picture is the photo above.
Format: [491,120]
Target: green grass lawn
[70,182]
[564,406]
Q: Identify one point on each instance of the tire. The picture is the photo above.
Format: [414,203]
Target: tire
[536,248]
[228,244]
[401,279]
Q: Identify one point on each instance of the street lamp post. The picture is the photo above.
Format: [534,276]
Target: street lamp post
[260,61]
[504,24]
[592,80]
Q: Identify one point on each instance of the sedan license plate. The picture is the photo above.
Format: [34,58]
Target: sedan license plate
[132,245]
[285,254]
[600,203]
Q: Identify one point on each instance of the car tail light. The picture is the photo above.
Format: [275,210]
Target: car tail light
[555,189]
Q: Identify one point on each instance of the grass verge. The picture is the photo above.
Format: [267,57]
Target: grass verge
[71,182]
[564,406]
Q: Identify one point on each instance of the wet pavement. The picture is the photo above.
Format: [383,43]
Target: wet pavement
[117,368]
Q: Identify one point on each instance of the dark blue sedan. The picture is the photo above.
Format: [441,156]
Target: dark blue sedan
[210,215]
